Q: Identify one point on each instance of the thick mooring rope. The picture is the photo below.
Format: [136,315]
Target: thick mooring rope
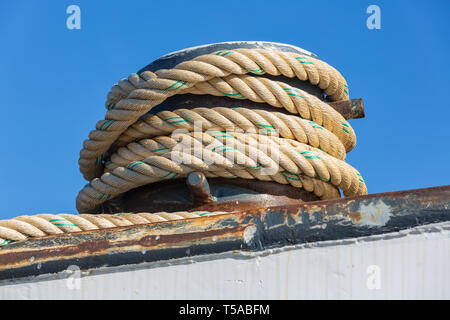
[23,227]
[130,148]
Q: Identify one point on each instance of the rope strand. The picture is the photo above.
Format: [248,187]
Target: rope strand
[24,227]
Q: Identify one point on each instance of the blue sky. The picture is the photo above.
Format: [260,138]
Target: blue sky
[54,80]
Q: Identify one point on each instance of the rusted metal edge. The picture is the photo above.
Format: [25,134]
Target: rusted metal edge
[252,230]
[349,109]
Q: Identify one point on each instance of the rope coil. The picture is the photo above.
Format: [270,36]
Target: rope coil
[304,146]
[127,130]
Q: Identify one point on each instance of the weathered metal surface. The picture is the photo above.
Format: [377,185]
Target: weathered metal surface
[199,187]
[170,60]
[253,230]
[230,195]
[350,109]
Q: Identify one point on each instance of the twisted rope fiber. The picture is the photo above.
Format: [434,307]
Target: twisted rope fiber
[23,227]
[131,148]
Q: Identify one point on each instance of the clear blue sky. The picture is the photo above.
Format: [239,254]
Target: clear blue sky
[54,80]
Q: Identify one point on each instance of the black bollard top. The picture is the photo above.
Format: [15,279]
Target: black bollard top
[189,101]
[170,60]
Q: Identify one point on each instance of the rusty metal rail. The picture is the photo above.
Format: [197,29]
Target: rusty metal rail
[252,230]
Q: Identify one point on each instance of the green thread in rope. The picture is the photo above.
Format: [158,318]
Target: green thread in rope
[223,136]
[295,95]
[304,62]
[257,71]
[176,121]
[96,159]
[174,84]
[258,167]
[168,174]
[291,89]
[5,242]
[110,122]
[62,224]
[346,91]
[291,176]
[224,53]
[217,147]
[133,164]
[237,95]
[266,126]
[204,213]
[222,149]
[322,149]
[160,149]
[315,125]
[360,179]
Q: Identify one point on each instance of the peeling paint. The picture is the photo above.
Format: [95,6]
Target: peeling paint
[375,213]
[249,234]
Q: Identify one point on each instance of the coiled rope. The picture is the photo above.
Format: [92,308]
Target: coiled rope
[131,148]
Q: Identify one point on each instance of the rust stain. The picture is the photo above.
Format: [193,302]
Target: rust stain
[356,216]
